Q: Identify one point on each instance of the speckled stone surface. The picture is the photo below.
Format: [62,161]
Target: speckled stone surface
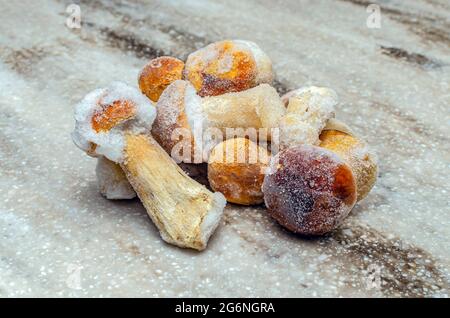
[59,237]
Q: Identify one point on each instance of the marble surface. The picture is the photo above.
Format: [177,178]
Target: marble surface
[59,237]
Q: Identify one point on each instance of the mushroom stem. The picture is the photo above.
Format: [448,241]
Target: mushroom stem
[185,212]
[259,107]
[112,181]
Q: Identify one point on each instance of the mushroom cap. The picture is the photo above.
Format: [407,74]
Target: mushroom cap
[309,190]
[236,168]
[105,115]
[179,120]
[158,74]
[265,72]
[228,66]
[357,154]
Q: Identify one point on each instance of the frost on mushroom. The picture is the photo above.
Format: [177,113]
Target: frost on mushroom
[104,113]
[308,111]
[110,178]
[112,182]
[116,123]
[178,115]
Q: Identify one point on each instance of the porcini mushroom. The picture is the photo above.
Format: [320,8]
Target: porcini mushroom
[237,168]
[158,74]
[115,122]
[309,190]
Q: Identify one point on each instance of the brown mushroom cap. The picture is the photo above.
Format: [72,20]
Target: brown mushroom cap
[228,66]
[309,190]
[171,125]
[236,168]
[158,74]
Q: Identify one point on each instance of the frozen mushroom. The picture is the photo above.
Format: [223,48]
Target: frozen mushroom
[228,66]
[115,122]
[309,190]
[237,168]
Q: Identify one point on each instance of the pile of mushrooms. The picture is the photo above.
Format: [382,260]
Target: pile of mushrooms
[219,109]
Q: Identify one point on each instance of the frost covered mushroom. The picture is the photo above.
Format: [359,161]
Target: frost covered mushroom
[179,107]
[115,122]
[308,111]
[236,168]
[158,74]
[111,180]
[309,190]
[310,120]
[228,66]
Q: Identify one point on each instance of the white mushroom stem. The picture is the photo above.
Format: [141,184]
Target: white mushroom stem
[185,212]
[259,107]
[112,181]
[114,185]
[308,111]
